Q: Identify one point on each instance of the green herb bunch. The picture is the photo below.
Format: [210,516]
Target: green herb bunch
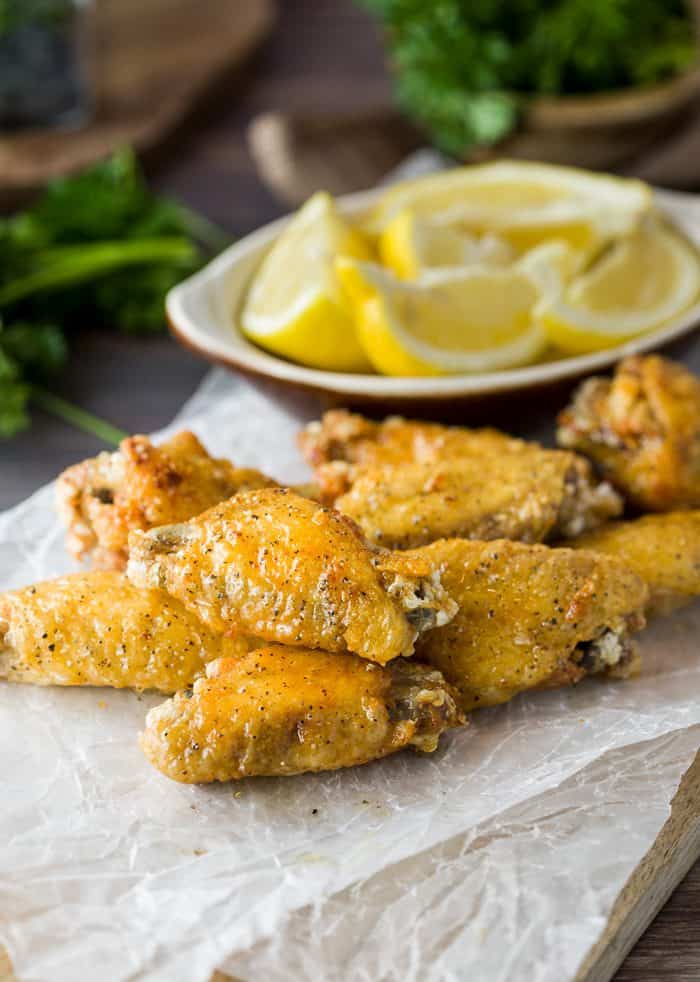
[97,249]
[464,67]
[15,13]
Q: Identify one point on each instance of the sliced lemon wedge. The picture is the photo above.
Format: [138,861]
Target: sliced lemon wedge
[551,265]
[295,307]
[411,244]
[467,319]
[522,202]
[639,284]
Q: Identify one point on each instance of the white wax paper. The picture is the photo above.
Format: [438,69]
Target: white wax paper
[497,858]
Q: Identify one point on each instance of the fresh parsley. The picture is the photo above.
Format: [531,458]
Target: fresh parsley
[464,68]
[98,247]
[16,13]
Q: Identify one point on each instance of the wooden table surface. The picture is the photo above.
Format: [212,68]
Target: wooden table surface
[323,55]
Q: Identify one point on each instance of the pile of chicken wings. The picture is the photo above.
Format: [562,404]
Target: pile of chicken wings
[429,571]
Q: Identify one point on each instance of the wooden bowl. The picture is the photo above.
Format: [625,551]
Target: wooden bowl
[202,311]
[599,131]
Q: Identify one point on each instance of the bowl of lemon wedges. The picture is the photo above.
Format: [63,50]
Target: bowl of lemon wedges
[470,281]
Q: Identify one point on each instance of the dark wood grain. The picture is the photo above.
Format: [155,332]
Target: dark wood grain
[323,56]
[669,951]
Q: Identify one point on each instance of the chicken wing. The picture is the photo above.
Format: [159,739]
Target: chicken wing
[273,565]
[343,444]
[409,483]
[139,487]
[97,629]
[283,710]
[664,550]
[642,430]
[532,496]
[530,617]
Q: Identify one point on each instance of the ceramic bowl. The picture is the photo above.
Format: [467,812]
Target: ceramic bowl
[202,315]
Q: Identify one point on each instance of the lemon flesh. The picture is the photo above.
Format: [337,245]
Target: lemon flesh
[641,283]
[465,320]
[522,202]
[551,265]
[295,307]
[411,245]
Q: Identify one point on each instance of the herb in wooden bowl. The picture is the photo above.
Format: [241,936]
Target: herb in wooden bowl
[467,70]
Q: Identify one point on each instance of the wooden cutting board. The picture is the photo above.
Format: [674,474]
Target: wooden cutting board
[156,60]
[647,890]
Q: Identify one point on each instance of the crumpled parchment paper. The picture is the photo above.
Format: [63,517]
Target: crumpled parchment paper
[497,858]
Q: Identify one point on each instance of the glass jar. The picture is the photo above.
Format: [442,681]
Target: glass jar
[45,63]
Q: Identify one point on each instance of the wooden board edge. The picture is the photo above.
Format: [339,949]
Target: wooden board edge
[675,850]
[261,19]
[97,140]
[6,973]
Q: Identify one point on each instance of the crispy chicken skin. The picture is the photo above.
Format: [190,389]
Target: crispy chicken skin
[642,430]
[276,566]
[139,487]
[97,629]
[530,617]
[663,549]
[409,483]
[282,710]
[343,444]
[532,496]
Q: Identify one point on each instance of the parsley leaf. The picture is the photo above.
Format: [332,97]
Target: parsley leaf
[96,247]
[38,350]
[14,395]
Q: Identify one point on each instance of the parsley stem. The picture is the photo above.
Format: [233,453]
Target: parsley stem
[76,416]
[67,265]
[201,228]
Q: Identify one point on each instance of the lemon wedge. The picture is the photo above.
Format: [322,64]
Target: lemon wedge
[466,319]
[641,283]
[410,245]
[525,203]
[551,265]
[295,307]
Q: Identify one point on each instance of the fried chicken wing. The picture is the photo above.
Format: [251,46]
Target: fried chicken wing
[642,430]
[139,487]
[282,710]
[343,444]
[273,565]
[409,483]
[97,629]
[530,617]
[664,550]
[532,496]
[342,435]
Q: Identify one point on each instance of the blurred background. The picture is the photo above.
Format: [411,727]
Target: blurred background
[137,139]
